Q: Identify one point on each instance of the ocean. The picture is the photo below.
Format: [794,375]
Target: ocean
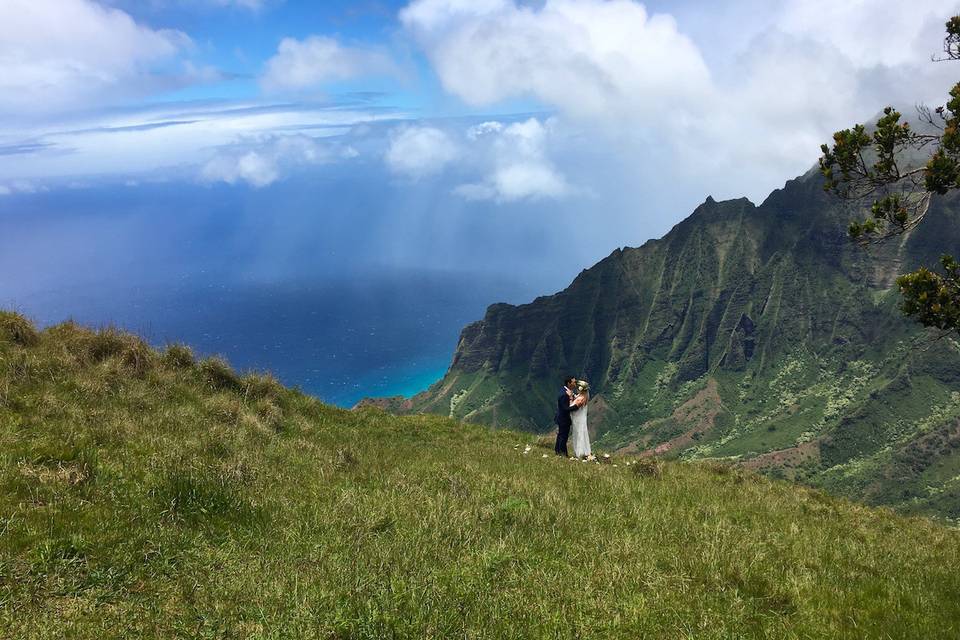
[336,285]
[340,341]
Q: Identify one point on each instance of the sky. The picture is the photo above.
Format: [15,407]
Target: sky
[521,138]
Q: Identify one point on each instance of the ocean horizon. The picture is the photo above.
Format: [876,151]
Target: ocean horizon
[340,341]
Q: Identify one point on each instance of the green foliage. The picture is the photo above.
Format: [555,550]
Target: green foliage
[931,298]
[951,45]
[160,507]
[853,148]
[849,172]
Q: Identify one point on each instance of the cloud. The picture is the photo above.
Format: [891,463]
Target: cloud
[60,54]
[262,161]
[171,139]
[589,57]
[309,63]
[420,151]
[520,167]
[500,162]
[734,108]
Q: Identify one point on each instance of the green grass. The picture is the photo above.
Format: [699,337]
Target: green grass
[151,495]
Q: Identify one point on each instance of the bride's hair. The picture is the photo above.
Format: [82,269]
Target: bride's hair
[586,394]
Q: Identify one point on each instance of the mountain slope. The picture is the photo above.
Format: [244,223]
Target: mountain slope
[757,334]
[149,495]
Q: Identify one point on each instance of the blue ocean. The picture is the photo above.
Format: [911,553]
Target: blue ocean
[315,280]
[340,341]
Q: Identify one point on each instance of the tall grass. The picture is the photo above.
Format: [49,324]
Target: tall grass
[180,499]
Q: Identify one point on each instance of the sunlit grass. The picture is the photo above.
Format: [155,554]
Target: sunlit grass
[152,495]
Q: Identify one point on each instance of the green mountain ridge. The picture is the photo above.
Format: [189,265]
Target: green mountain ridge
[756,334]
[146,494]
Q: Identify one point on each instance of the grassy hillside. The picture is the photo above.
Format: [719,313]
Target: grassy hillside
[147,494]
[755,334]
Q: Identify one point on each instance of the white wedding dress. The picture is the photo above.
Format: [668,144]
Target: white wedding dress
[578,431]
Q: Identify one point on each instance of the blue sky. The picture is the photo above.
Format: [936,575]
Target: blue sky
[443,134]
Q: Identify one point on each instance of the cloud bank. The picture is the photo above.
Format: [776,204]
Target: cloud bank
[262,161]
[739,119]
[59,54]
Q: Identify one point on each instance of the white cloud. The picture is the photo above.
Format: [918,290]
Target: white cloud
[316,60]
[58,54]
[880,32]
[173,139]
[263,161]
[733,108]
[520,166]
[420,151]
[251,167]
[589,57]
[502,162]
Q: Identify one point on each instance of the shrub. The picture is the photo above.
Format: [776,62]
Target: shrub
[17,329]
[218,374]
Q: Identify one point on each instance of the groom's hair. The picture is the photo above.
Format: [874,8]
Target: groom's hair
[568,379]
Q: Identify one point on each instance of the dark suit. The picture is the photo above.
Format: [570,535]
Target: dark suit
[563,421]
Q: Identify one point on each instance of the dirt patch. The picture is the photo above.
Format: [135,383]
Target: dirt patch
[789,457]
[698,414]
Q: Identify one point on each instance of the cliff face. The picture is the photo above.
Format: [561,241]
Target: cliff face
[755,333]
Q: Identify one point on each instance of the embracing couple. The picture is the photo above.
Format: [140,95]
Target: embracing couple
[571,418]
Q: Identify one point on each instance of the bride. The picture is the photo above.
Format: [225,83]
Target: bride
[581,438]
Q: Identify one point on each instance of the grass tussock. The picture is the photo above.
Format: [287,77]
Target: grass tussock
[178,356]
[219,376]
[647,467]
[189,501]
[17,329]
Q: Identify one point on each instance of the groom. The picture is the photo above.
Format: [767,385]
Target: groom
[563,415]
